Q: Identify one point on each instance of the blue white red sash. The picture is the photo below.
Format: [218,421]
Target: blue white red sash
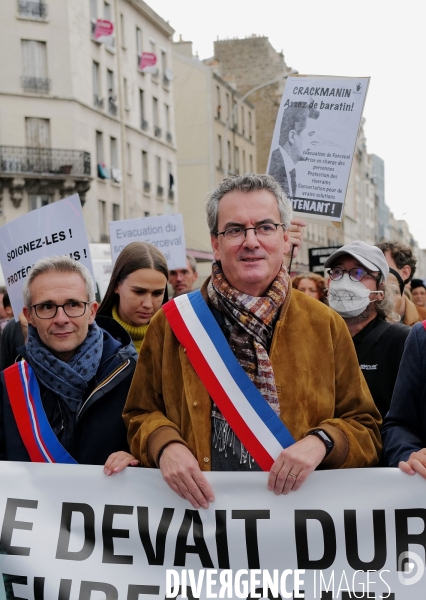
[37,435]
[249,415]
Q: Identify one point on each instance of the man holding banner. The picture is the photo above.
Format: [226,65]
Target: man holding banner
[248,374]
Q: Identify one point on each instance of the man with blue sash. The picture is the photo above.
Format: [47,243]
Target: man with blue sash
[63,401]
[247,373]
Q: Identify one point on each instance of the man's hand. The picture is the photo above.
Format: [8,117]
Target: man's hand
[415,464]
[295,233]
[294,464]
[181,472]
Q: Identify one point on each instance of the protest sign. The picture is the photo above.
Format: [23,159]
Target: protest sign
[70,532]
[314,141]
[56,229]
[317,258]
[164,232]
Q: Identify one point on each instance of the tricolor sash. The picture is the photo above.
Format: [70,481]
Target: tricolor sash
[251,418]
[37,435]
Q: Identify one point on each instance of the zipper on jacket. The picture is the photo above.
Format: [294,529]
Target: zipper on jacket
[104,383]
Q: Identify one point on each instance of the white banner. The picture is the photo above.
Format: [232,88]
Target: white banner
[165,232]
[56,229]
[70,532]
[314,141]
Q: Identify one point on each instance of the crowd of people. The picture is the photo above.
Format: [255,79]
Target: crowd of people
[332,367]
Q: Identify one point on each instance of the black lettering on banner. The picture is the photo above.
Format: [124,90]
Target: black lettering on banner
[251,517]
[108,534]
[135,591]
[87,587]
[65,589]
[403,538]
[351,540]
[192,517]
[157,557]
[222,540]
[62,551]
[302,548]
[8,580]
[10,523]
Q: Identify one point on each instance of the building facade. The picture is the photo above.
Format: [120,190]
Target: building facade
[216,133]
[77,115]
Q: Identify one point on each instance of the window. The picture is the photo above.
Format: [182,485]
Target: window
[237,160]
[235,115]
[102,221]
[145,173]
[126,93]
[122,31]
[249,127]
[37,201]
[138,44]
[37,132]
[160,189]
[107,11]
[251,163]
[171,181]
[114,153]
[155,110]
[112,98]
[228,107]
[115,212]
[144,123]
[244,161]
[35,9]
[242,120]
[229,157]
[129,157]
[163,61]
[93,10]
[219,152]
[167,122]
[218,108]
[97,100]
[34,61]
[99,148]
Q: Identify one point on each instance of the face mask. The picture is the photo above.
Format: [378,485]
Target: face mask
[349,298]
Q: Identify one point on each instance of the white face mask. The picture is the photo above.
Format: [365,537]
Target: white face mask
[349,298]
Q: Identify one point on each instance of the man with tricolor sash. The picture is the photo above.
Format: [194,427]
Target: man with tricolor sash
[63,401]
[247,373]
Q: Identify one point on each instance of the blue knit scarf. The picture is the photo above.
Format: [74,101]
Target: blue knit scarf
[68,380]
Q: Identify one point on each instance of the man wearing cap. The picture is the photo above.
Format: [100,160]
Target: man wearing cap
[402,266]
[359,293]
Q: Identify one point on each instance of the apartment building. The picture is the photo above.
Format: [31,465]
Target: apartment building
[80,115]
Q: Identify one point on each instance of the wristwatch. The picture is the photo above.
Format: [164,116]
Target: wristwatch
[329,444]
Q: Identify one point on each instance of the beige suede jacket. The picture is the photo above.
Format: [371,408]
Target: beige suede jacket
[318,380]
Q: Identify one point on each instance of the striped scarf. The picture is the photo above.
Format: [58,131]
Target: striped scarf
[251,320]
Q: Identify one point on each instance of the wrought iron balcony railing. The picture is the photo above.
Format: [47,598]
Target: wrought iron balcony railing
[35,84]
[45,161]
[26,8]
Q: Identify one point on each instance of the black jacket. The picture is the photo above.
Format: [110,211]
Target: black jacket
[380,363]
[99,429]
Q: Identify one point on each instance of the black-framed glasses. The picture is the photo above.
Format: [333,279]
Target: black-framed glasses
[48,310]
[356,274]
[263,230]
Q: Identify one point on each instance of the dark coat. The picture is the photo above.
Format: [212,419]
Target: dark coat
[404,429]
[99,429]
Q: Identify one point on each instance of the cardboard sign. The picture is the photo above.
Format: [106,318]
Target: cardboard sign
[164,232]
[317,258]
[71,532]
[56,229]
[314,142]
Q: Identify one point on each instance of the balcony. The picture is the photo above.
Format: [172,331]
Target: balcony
[32,10]
[157,131]
[144,124]
[20,160]
[169,137]
[40,85]
[98,102]
[160,190]
[146,186]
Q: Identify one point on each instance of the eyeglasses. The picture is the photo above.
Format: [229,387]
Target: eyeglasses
[356,274]
[48,310]
[261,231]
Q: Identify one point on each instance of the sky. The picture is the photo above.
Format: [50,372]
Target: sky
[376,38]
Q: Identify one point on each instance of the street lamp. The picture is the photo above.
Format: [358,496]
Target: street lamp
[238,104]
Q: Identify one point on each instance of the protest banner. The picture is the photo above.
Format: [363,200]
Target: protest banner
[314,141]
[56,229]
[70,532]
[317,258]
[104,31]
[165,232]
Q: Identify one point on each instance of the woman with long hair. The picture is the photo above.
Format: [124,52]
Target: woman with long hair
[312,284]
[137,289]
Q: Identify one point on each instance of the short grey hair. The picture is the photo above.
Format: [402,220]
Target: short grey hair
[192,262]
[58,264]
[247,183]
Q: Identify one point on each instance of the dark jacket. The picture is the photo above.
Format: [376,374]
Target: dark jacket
[99,429]
[404,430]
[379,361]
[11,339]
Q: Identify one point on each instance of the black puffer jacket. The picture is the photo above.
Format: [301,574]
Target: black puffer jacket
[99,428]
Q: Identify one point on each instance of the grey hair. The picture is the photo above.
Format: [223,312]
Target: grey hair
[192,262]
[58,264]
[247,183]
[386,307]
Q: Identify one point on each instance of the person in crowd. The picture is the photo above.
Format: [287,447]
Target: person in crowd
[182,280]
[3,291]
[359,293]
[137,289]
[6,310]
[402,265]
[77,370]
[292,357]
[11,339]
[418,292]
[404,428]
[312,284]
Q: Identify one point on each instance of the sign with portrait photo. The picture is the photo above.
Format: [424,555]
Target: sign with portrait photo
[314,142]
